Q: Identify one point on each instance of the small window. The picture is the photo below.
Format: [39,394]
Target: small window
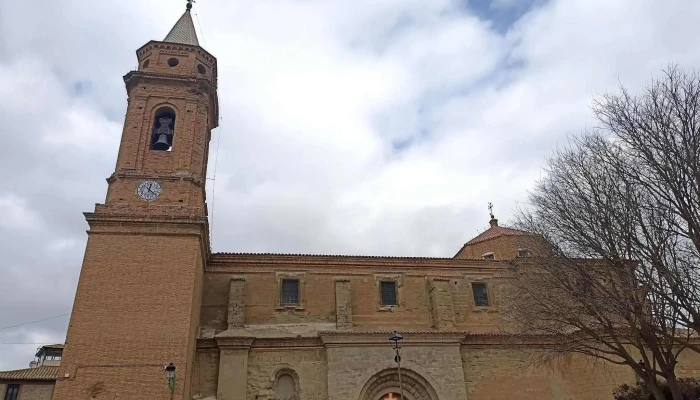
[388,293]
[146,64]
[290,291]
[12,392]
[173,62]
[201,69]
[488,256]
[481,294]
[524,253]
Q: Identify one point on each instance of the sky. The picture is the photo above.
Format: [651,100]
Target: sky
[372,127]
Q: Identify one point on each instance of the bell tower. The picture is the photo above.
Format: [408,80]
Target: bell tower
[138,299]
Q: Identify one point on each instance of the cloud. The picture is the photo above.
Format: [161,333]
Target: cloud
[365,127]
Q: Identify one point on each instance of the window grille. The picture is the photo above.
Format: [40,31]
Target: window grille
[481,295]
[290,291]
[388,293]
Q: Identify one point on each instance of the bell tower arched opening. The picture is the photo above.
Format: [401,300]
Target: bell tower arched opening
[163,129]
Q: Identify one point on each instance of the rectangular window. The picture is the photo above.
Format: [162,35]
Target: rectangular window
[388,293]
[290,291]
[12,392]
[488,256]
[481,295]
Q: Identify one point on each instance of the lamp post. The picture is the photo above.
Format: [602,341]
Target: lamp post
[170,377]
[396,339]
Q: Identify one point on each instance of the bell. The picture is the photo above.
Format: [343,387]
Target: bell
[162,143]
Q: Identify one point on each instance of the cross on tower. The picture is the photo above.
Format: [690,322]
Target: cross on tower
[491,209]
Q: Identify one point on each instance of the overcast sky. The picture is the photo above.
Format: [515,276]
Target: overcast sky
[379,127]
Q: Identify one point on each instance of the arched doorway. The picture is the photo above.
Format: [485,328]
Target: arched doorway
[384,385]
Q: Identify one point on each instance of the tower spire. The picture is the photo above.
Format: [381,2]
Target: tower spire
[183,32]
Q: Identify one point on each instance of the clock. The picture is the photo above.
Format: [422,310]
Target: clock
[149,190]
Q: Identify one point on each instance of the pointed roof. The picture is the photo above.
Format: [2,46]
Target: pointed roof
[183,32]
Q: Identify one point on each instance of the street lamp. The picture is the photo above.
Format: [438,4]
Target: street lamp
[396,339]
[170,376]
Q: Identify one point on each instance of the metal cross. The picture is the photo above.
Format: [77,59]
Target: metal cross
[491,209]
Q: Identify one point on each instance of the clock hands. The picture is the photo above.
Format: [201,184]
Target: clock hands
[149,190]
[150,185]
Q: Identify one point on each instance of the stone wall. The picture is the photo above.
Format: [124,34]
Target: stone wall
[498,372]
[205,375]
[29,390]
[308,366]
[438,365]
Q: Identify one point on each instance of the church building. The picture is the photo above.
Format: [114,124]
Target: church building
[239,326]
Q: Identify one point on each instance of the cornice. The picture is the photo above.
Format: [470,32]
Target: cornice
[148,47]
[226,262]
[145,219]
[151,224]
[377,338]
[122,174]
[234,343]
[134,77]
[411,338]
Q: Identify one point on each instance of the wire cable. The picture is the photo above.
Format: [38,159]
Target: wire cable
[11,343]
[213,186]
[201,32]
[33,322]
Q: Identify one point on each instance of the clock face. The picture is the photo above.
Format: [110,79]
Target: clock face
[149,190]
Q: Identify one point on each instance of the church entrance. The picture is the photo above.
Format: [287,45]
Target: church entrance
[384,385]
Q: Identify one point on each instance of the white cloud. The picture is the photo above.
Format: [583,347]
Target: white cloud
[15,214]
[364,127]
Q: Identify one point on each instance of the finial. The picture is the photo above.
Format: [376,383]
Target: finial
[493,222]
[189,4]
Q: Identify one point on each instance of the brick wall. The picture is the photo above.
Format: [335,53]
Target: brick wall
[496,372]
[505,247]
[133,313]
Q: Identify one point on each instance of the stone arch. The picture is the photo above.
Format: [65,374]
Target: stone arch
[280,372]
[415,387]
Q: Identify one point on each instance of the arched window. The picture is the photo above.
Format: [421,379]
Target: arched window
[286,388]
[163,129]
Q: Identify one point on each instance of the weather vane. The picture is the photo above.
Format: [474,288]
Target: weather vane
[491,209]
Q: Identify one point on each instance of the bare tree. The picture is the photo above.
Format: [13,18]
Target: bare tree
[619,210]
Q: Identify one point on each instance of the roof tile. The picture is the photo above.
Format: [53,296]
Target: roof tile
[31,374]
